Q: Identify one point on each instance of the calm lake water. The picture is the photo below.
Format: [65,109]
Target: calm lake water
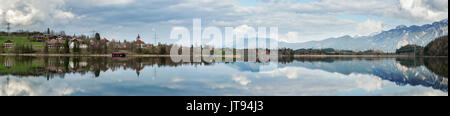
[74,76]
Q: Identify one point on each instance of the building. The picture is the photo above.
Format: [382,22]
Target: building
[139,43]
[38,38]
[55,43]
[123,45]
[104,40]
[9,44]
[80,42]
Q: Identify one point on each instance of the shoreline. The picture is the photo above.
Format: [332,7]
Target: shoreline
[368,56]
[82,55]
[295,56]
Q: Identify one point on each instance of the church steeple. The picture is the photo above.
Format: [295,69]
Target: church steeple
[138,37]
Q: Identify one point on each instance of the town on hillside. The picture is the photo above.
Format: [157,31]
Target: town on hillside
[49,42]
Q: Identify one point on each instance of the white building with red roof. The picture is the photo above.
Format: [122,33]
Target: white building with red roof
[139,42]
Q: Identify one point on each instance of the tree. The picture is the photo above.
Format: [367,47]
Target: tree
[139,50]
[88,43]
[18,48]
[66,47]
[57,48]
[438,47]
[162,49]
[93,46]
[97,36]
[105,48]
[2,48]
[22,48]
[410,49]
[29,49]
[76,48]
[45,48]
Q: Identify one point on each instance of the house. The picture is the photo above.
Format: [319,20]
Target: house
[55,43]
[60,37]
[149,45]
[9,44]
[80,42]
[123,45]
[104,40]
[38,38]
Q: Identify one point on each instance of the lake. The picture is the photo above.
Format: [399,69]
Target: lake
[320,76]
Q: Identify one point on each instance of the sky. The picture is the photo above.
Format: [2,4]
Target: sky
[297,20]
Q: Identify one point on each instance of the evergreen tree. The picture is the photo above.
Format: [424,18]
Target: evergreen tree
[2,48]
[57,48]
[66,47]
[22,48]
[97,36]
[76,48]
[162,49]
[18,48]
[139,50]
[105,48]
[89,47]
[45,48]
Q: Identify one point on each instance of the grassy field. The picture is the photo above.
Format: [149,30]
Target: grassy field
[20,40]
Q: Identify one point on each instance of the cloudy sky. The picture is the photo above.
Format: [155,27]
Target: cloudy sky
[297,20]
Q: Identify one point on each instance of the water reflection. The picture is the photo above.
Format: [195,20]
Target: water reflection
[161,76]
[59,66]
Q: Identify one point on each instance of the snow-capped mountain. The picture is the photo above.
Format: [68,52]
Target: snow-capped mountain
[387,41]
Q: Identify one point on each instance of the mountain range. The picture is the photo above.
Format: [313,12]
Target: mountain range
[387,41]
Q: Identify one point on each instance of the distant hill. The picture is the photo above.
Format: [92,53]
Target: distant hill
[438,47]
[388,41]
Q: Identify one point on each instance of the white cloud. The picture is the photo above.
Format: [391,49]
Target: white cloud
[112,2]
[93,3]
[368,82]
[1,15]
[427,9]
[63,15]
[33,87]
[241,80]
[175,21]
[29,12]
[369,27]
[290,37]
[244,29]
[176,80]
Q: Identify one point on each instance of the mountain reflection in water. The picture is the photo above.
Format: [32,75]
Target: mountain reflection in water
[161,76]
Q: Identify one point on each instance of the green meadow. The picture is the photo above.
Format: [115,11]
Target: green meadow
[20,40]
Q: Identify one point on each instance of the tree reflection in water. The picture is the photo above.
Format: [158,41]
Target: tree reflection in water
[58,66]
[428,72]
